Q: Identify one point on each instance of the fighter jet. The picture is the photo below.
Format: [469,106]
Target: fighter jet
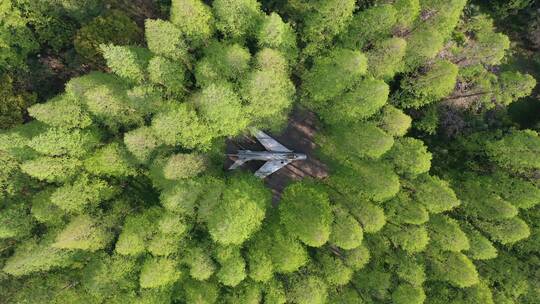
[277,156]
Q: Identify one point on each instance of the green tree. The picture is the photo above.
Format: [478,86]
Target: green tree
[407,11]
[480,247]
[485,89]
[201,265]
[514,85]
[325,21]
[127,61]
[393,121]
[478,202]
[111,160]
[113,27]
[408,294]
[113,108]
[305,211]
[370,216]
[32,256]
[105,275]
[422,45]
[483,45]
[370,25]
[83,233]
[82,194]
[259,261]
[136,230]
[404,210]
[411,238]
[360,140]
[346,231]
[274,33]
[165,39]
[344,296]
[507,8]
[386,58]
[333,74]
[170,231]
[434,193]
[445,15]
[309,289]
[15,222]
[158,272]
[445,234]
[44,211]
[245,294]
[513,275]
[16,38]
[521,193]
[141,143]
[183,197]
[333,270]
[268,89]
[194,19]
[221,108]
[180,125]
[241,211]
[237,19]
[518,151]
[12,104]
[233,266]
[222,62]
[275,293]
[366,179]
[114,193]
[180,166]
[52,169]
[281,251]
[200,292]
[409,156]
[167,73]
[61,112]
[506,231]
[59,142]
[373,283]
[453,267]
[362,101]
[411,270]
[51,24]
[118,110]
[479,293]
[421,89]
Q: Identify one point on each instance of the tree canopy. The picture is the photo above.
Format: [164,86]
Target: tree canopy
[115,118]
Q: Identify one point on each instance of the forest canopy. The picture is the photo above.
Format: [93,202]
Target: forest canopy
[114,121]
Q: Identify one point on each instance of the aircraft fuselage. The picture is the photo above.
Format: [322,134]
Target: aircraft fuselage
[269,155]
[275,157]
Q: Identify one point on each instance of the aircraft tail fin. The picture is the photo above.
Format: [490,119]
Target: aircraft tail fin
[237,163]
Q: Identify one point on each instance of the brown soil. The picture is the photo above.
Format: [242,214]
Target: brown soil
[297,136]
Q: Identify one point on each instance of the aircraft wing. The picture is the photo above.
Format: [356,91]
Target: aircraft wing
[270,167]
[269,143]
[240,161]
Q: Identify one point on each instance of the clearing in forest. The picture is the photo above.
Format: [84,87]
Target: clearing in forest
[297,136]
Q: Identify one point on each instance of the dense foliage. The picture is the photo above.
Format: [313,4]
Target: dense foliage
[112,189]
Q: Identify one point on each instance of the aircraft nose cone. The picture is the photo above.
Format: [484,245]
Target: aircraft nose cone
[302,156]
